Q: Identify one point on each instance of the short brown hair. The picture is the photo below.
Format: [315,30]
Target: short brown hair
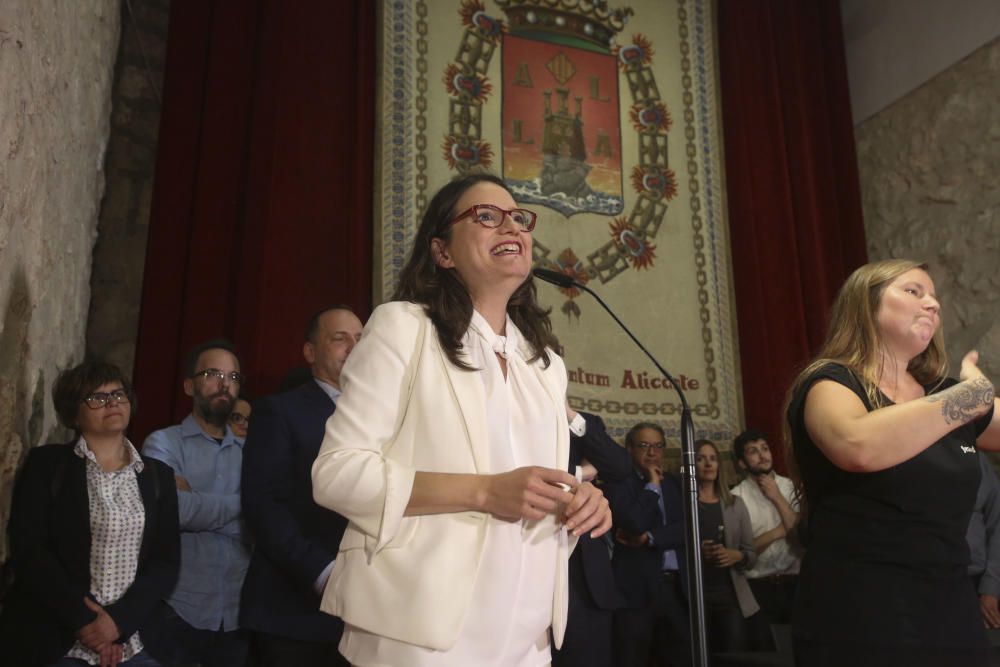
[79,382]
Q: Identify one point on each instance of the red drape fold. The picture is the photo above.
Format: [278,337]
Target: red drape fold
[262,208]
[792,186]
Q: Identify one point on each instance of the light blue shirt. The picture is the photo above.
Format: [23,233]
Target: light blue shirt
[669,556]
[330,390]
[214,553]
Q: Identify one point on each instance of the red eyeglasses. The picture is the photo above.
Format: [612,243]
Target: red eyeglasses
[492,216]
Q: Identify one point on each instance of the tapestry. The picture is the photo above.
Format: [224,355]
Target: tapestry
[604,119]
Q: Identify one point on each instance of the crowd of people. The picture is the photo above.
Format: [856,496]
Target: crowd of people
[436,501]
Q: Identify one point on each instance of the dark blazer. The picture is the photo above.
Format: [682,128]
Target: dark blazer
[613,465]
[50,555]
[592,590]
[636,511]
[295,538]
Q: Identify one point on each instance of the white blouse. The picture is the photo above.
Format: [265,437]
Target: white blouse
[507,624]
[117,519]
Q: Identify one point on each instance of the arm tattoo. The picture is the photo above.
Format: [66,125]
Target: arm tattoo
[965,401]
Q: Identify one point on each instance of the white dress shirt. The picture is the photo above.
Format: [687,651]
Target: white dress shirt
[778,557]
[117,519]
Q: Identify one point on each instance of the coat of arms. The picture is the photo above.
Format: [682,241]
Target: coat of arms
[561,143]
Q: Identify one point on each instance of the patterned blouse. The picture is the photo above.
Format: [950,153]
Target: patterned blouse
[117,519]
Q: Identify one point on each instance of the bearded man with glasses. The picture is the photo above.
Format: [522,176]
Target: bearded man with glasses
[198,621]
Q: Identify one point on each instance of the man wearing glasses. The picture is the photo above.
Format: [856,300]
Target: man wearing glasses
[198,622]
[296,539]
[648,558]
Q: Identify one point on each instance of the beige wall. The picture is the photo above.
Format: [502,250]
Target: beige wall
[56,64]
[930,178]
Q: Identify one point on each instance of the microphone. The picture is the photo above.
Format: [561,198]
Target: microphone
[699,643]
[556,278]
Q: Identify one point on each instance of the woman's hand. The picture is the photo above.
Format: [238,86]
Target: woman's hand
[970,369]
[528,493]
[111,655]
[102,630]
[589,510]
[719,555]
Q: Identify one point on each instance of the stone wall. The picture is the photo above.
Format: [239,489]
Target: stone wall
[56,67]
[120,253]
[929,166]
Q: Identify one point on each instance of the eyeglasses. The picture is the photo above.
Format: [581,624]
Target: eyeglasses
[651,445]
[239,418]
[99,399]
[215,374]
[492,216]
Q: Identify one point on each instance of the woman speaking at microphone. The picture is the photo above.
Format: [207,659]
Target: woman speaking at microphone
[448,453]
[885,446]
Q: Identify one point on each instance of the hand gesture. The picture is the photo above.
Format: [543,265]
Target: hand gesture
[99,633]
[528,493]
[991,614]
[970,369]
[718,555]
[589,510]
[111,655]
[653,473]
[630,540]
[768,486]
[182,484]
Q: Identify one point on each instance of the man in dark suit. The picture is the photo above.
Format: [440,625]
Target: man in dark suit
[296,540]
[593,595]
[649,557]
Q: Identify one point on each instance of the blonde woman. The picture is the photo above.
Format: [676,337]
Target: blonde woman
[885,449]
[727,548]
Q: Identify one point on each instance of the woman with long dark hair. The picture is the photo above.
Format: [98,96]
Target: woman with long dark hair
[448,453]
[93,535]
[884,449]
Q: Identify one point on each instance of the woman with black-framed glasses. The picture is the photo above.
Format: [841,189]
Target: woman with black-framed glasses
[239,418]
[93,534]
[449,451]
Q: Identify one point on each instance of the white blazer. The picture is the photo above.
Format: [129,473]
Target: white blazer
[411,578]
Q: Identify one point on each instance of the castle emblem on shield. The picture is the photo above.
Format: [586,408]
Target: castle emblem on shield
[561,140]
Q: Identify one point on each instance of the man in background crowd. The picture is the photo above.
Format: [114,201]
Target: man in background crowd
[198,623]
[774,513]
[296,540]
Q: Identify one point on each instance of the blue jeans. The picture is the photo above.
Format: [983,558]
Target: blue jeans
[141,659]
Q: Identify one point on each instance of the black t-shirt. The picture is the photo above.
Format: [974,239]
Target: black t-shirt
[709,523]
[886,551]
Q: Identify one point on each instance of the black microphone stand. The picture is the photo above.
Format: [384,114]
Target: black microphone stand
[692,546]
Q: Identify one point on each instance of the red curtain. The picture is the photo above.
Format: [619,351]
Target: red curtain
[262,207]
[793,193]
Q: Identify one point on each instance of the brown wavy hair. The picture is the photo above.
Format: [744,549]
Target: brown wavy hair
[443,295]
[853,340]
[722,480]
